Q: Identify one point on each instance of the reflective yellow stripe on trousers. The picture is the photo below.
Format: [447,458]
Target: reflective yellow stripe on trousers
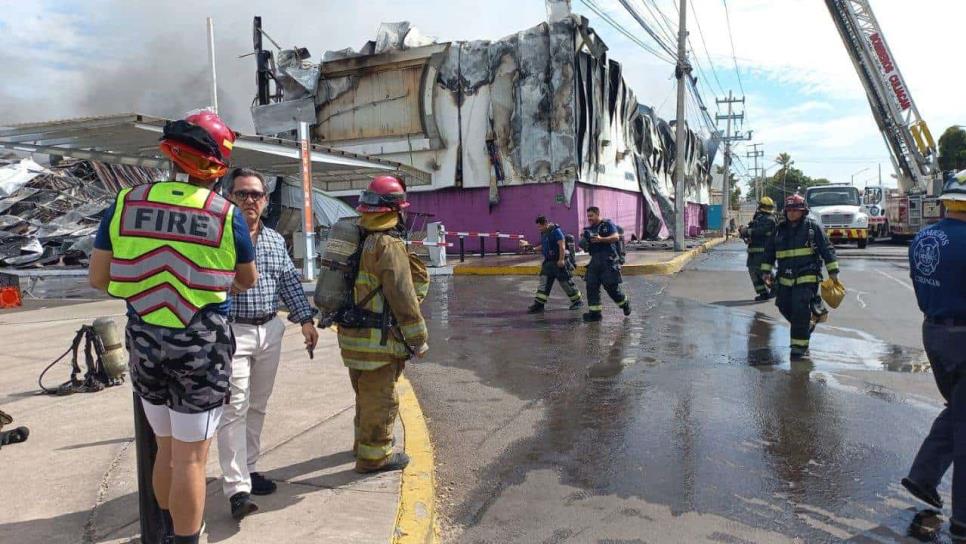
[801,280]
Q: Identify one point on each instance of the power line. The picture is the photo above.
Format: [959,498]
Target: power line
[731,38]
[620,28]
[647,28]
[663,21]
[714,71]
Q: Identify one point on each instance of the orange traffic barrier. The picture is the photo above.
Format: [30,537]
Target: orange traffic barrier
[10,297]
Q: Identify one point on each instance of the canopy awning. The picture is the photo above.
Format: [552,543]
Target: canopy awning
[132,139]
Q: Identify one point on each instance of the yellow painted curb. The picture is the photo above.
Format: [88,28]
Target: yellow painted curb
[670,267]
[416,515]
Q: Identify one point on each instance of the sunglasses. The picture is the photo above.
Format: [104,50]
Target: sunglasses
[245,195]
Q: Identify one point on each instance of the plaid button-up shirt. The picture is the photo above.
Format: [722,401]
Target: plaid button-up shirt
[277,277]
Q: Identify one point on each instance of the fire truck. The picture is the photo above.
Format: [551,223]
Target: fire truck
[900,212]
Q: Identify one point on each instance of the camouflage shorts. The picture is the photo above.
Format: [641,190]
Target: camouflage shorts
[184,369]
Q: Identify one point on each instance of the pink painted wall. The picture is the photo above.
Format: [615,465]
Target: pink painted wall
[625,208]
[695,220]
[469,210]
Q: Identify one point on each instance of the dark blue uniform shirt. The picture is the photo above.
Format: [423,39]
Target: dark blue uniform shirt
[550,243]
[937,264]
[603,229]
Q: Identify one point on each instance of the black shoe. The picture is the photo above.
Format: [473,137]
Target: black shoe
[925,525]
[535,308]
[397,461]
[262,485]
[242,505]
[577,305]
[627,309]
[926,495]
[590,317]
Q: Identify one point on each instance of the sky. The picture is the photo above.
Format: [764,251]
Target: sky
[72,58]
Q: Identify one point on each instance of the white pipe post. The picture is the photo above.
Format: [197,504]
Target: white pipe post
[211,62]
[308,219]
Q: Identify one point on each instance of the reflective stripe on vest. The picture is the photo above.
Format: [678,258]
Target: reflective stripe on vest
[800,252]
[756,250]
[173,251]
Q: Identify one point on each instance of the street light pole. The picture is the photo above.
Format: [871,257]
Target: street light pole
[857,173]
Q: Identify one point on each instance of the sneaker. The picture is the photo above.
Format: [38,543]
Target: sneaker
[535,308]
[396,461]
[590,317]
[927,495]
[242,505]
[627,309]
[577,305]
[262,485]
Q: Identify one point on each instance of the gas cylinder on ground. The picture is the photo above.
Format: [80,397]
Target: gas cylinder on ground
[113,358]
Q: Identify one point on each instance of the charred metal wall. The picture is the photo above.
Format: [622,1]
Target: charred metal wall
[544,105]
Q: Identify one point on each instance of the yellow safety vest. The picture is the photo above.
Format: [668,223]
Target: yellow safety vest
[174,251]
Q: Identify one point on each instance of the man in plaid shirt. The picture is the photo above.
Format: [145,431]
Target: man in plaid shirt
[258,336]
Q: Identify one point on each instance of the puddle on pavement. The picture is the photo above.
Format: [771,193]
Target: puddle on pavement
[685,404]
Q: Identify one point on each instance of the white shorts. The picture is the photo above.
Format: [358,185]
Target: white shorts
[182,427]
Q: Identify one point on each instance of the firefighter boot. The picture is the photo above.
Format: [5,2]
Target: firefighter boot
[576,305]
[535,308]
[799,353]
[626,307]
[592,316]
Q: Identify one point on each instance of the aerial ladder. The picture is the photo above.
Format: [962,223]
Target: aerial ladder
[910,143]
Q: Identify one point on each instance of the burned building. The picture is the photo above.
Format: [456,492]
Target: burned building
[540,122]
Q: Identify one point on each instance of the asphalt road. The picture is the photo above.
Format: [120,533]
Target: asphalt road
[685,422]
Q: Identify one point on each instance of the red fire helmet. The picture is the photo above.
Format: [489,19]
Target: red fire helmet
[384,194]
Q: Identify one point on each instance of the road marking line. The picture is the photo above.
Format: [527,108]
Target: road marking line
[897,280]
[858,297]
[416,514]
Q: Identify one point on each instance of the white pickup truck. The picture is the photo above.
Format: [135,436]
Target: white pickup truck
[838,208]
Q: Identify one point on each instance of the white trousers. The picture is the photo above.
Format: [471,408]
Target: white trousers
[253,371]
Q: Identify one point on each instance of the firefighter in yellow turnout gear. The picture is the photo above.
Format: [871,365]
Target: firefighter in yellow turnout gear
[800,246]
[388,290]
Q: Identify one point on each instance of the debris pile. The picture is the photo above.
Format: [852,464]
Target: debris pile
[49,216]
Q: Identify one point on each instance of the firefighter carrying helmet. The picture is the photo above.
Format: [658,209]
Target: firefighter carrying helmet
[384,194]
[766,204]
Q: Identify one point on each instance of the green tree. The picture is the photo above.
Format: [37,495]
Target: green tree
[952,149]
[788,180]
[735,197]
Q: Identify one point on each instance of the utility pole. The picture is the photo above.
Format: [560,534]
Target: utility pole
[728,138]
[757,154]
[682,71]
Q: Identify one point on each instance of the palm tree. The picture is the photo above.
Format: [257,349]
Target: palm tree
[786,162]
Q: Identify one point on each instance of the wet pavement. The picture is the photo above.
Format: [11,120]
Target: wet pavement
[684,423]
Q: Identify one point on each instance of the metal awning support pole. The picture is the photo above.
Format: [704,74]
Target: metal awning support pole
[308,220]
[211,61]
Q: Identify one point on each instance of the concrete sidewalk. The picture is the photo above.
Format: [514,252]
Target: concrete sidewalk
[74,480]
[641,260]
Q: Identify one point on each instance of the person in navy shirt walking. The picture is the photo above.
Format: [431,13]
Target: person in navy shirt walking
[937,264]
[558,265]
